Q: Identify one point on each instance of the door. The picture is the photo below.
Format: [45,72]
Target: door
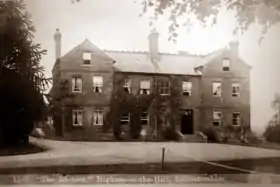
[187,121]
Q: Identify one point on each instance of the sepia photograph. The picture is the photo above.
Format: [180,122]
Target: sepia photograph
[139,92]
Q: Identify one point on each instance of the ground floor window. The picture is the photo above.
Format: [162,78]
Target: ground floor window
[125,118]
[97,117]
[77,116]
[217,118]
[236,119]
[145,118]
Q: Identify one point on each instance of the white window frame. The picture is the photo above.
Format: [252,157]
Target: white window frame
[238,119]
[77,114]
[216,92]
[98,114]
[235,87]
[127,85]
[187,88]
[97,85]
[126,120]
[144,88]
[217,117]
[163,89]
[86,58]
[75,84]
[226,64]
[145,118]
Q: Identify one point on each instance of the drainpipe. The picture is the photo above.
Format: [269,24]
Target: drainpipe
[155,103]
[63,121]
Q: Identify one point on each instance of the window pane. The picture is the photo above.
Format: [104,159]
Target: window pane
[77,117]
[145,84]
[217,88]
[217,114]
[86,56]
[97,80]
[98,117]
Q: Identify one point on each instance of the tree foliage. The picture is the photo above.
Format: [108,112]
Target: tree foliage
[272,130]
[161,121]
[22,77]
[264,12]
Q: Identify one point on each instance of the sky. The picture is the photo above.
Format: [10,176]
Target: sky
[116,25]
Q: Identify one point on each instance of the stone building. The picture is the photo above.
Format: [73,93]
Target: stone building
[214,89]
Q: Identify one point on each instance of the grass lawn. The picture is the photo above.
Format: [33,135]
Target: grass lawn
[20,150]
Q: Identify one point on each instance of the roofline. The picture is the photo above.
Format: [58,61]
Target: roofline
[149,73]
[160,53]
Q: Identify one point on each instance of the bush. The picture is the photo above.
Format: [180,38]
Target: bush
[215,134]
[251,137]
[169,133]
[272,133]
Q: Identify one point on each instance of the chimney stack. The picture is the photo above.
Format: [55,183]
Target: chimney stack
[234,47]
[153,45]
[57,39]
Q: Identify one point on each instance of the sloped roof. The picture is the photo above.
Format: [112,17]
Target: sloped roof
[209,58]
[140,62]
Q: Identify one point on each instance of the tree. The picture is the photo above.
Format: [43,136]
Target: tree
[58,100]
[264,12]
[22,80]
[273,129]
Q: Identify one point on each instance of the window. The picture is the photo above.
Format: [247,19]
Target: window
[145,87]
[144,118]
[226,64]
[77,116]
[127,85]
[217,118]
[236,119]
[125,119]
[187,88]
[87,58]
[77,84]
[164,87]
[217,89]
[97,84]
[98,117]
[235,90]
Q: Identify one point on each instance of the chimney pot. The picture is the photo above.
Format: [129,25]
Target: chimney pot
[57,39]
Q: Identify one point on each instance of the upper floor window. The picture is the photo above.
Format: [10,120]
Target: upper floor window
[164,87]
[217,118]
[236,119]
[77,117]
[127,85]
[145,118]
[145,87]
[226,64]
[97,84]
[235,90]
[217,89]
[98,117]
[77,84]
[87,58]
[187,88]
[125,118]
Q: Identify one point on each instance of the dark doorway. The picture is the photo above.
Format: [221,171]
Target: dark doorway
[187,121]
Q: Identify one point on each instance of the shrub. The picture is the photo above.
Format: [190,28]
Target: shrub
[169,133]
[215,134]
[272,133]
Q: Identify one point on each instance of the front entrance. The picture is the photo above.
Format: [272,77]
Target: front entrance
[187,121]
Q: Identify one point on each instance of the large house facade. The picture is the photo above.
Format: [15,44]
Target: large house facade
[214,90]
